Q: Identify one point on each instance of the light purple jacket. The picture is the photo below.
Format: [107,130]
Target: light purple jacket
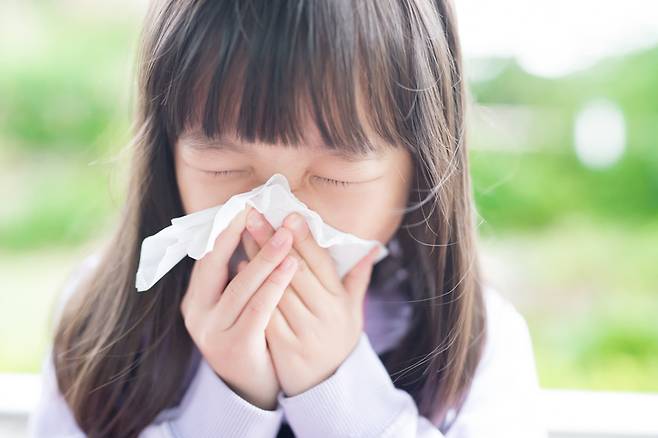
[358,400]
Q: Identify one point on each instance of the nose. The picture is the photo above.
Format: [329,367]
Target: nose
[295,181]
[298,186]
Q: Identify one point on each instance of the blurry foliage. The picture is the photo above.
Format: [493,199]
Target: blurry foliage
[535,187]
[62,83]
[628,79]
[532,189]
[66,84]
[59,202]
[608,349]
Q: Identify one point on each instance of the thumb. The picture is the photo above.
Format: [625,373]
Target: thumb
[357,279]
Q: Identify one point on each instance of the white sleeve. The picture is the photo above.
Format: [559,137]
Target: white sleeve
[209,409]
[360,400]
[504,399]
[52,416]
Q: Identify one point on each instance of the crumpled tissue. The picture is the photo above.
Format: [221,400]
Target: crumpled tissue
[194,234]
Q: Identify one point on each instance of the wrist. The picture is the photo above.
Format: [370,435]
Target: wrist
[266,402]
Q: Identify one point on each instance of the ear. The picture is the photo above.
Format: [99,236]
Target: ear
[357,279]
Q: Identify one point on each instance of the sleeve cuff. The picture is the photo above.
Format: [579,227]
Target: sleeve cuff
[357,400]
[210,408]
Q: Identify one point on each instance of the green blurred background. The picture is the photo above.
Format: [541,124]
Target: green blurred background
[565,175]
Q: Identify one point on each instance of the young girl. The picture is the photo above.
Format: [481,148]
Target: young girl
[361,105]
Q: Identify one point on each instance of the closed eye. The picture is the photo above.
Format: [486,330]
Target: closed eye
[323,179]
[220,172]
[334,181]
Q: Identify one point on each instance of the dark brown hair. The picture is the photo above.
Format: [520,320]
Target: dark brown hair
[250,66]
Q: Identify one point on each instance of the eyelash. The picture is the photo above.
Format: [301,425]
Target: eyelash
[327,180]
[219,172]
[335,182]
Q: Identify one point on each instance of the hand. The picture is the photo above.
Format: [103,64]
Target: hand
[229,327]
[319,319]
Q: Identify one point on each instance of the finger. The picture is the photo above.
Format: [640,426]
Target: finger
[317,258]
[251,247]
[357,279]
[278,329]
[246,283]
[304,281]
[256,314]
[296,313]
[210,273]
[258,226]
[311,293]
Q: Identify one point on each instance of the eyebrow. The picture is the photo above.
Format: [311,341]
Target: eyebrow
[200,143]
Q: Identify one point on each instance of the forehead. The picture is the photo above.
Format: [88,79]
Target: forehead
[196,139]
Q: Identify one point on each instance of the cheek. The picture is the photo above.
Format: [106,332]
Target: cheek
[199,192]
[373,217]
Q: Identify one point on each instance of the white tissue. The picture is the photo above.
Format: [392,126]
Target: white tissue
[195,233]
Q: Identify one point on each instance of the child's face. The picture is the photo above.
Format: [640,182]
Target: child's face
[368,206]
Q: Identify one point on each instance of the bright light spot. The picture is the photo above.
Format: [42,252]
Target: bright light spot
[552,38]
[600,134]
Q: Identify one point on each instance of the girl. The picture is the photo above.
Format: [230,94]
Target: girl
[361,105]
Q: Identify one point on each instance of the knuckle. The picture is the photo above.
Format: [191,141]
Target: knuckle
[301,356]
[278,278]
[285,297]
[268,255]
[183,306]
[256,306]
[271,330]
[302,266]
[205,341]
[187,321]
[304,235]
[277,336]
[233,289]
[187,317]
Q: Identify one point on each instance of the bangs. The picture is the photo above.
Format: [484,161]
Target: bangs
[260,70]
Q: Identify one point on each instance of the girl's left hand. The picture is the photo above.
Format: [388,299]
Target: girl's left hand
[319,318]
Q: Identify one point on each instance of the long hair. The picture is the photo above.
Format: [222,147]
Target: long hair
[257,67]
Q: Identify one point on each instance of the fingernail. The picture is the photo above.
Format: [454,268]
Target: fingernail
[279,238]
[295,221]
[288,263]
[254,221]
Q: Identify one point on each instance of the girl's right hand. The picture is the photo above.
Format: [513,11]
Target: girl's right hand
[227,321]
